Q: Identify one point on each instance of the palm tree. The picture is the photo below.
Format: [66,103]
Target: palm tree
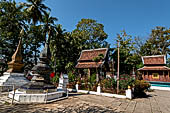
[34,11]
[56,46]
[49,24]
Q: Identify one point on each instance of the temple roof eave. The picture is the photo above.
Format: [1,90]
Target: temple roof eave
[154,68]
[85,65]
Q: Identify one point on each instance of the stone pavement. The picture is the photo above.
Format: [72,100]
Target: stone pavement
[156,102]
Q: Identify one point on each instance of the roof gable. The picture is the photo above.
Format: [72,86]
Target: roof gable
[154,60]
[87,55]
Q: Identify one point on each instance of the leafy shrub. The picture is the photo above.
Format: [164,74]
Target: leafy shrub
[108,85]
[71,77]
[83,86]
[126,81]
[92,78]
[140,87]
[88,83]
[55,79]
[72,80]
[71,85]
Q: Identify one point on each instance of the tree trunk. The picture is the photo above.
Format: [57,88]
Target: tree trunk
[35,57]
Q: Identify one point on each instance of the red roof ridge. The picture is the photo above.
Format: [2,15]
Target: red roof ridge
[94,49]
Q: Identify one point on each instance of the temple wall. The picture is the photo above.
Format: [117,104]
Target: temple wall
[163,76]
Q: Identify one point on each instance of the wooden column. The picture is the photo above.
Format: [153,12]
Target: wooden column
[79,73]
[143,76]
[168,75]
[88,72]
[164,78]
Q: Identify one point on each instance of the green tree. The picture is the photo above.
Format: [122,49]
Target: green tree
[33,40]
[11,23]
[90,34]
[59,46]
[49,26]
[128,56]
[34,12]
[158,43]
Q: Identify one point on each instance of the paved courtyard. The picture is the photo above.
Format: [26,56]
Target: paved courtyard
[156,102]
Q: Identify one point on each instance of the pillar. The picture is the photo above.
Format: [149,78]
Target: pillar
[129,94]
[79,73]
[164,77]
[143,76]
[98,89]
[88,72]
[77,87]
[168,74]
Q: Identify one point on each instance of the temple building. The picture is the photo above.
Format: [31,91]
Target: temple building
[86,60]
[155,68]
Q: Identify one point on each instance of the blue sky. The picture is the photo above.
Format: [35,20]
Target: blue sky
[136,17]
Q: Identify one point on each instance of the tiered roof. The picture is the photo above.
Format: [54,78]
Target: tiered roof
[156,62]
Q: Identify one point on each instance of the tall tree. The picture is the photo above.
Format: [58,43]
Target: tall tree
[128,57]
[33,40]
[90,34]
[34,11]
[56,46]
[49,27]
[158,43]
[11,22]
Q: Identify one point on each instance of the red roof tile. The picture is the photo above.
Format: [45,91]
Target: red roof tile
[157,59]
[154,68]
[90,54]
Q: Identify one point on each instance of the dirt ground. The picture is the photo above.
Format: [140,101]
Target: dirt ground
[156,102]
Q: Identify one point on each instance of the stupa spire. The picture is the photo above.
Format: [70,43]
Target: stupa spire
[16,64]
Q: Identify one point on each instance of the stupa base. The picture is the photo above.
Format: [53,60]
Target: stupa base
[8,80]
[24,98]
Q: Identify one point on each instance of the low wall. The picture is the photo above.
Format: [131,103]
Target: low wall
[102,94]
[160,88]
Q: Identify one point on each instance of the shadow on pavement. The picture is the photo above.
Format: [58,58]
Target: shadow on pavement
[76,94]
